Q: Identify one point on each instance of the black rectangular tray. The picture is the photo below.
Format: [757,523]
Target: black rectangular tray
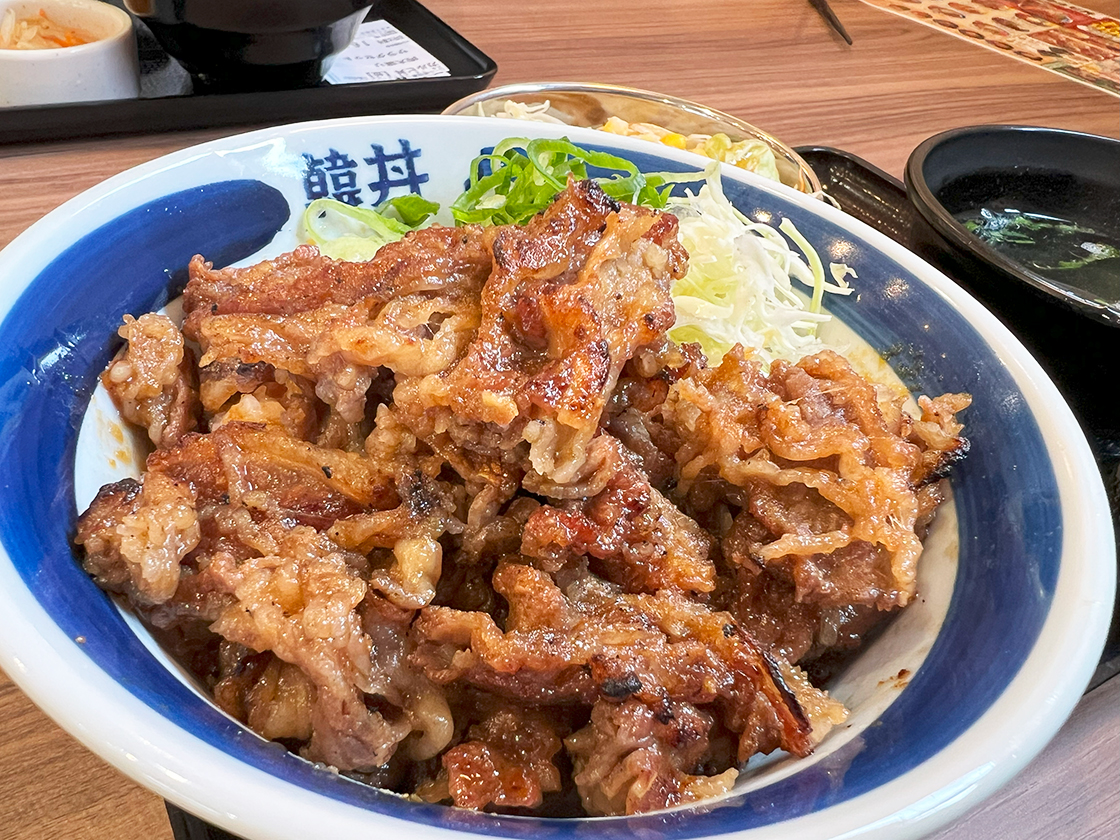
[157,109]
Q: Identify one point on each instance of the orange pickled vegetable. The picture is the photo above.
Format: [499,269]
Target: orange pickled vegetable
[38,32]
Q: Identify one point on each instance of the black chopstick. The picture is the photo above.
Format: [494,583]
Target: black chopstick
[826,12]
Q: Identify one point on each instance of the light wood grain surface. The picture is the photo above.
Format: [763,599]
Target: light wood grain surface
[771,62]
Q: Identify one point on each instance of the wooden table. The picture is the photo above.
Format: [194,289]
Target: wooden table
[771,62]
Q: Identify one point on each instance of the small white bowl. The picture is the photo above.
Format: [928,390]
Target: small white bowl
[106,68]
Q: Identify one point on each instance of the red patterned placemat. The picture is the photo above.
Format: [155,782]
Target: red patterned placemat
[1076,42]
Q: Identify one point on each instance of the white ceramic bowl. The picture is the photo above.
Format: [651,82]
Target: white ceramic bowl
[106,68]
[1016,584]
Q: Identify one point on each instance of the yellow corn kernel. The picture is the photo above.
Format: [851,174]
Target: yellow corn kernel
[615,125]
[677,141]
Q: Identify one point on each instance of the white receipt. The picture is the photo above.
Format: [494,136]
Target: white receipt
[382,53]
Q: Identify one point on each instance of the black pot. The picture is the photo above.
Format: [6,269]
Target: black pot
[247,45]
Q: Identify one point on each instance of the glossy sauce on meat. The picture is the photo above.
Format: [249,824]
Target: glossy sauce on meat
[461,522]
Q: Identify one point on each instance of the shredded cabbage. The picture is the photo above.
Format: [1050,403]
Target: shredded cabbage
[531,111]
[344,232]
[738,287]
[749,154]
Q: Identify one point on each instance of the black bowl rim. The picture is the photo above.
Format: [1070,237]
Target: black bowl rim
[942,221]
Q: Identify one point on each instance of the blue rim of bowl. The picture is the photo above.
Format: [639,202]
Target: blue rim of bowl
[55,344]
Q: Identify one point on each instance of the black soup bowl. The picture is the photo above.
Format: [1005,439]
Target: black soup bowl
[1040,205]
[253,45]
[1028,218]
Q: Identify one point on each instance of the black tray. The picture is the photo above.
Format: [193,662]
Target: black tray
[168,103]
[878,199]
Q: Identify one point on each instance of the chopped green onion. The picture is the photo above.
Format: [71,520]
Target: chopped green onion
[525,176]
